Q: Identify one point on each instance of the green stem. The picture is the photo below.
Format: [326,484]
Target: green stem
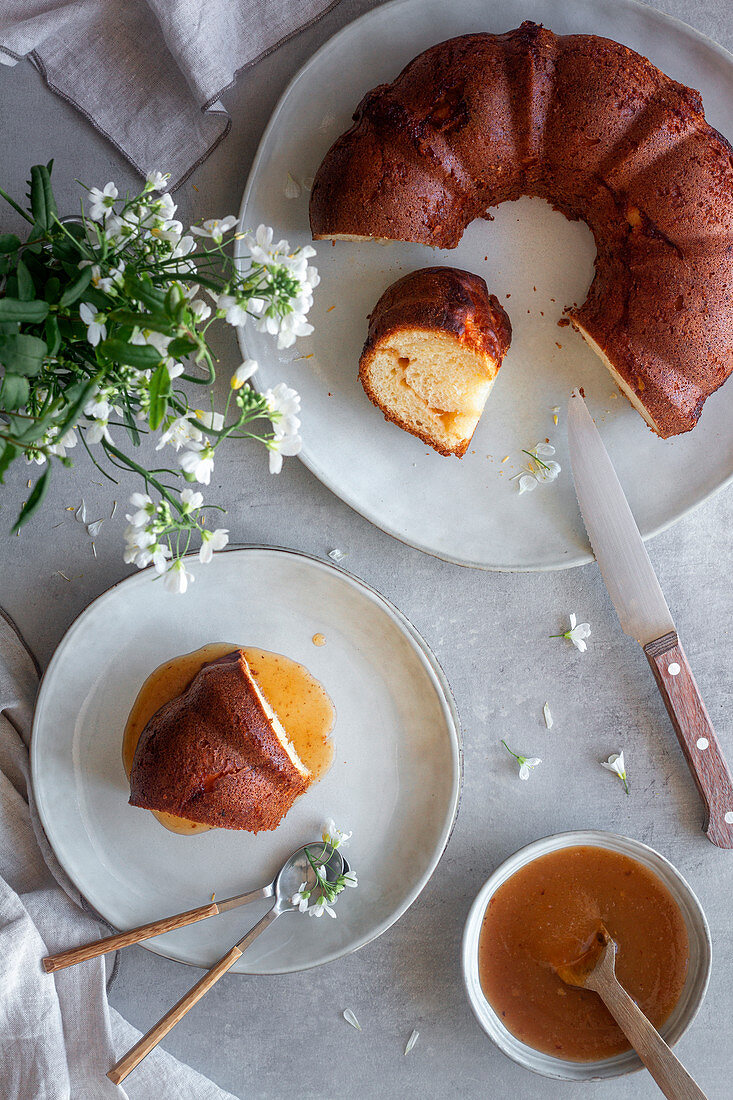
[15,206]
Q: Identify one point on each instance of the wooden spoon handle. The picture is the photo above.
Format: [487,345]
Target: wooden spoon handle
[135,1055]
[124,939]
[695,734]
[669,1073]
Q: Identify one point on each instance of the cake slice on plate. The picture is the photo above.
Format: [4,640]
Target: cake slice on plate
[435,344]
[218,754]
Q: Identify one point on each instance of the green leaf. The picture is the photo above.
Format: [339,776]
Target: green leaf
[181,347]
[156,322]
[35,500]
[77,288]
[52,290]
[7,453]
[160,388]
[142,356]
[145,292]
[14,309]
[43,204]
[9,242]
[53,335]
[22,354]
[14,392]
[26,289]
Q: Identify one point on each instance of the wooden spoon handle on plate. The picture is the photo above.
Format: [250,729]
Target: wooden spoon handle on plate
[669,1073]
[695,734]
[124,939]
[135,1055]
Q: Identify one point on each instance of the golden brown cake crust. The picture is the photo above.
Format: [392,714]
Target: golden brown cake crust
[604,136]
[438,299]
[211,756]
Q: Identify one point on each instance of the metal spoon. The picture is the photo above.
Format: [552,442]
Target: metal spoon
[167,924]
[287,882]
[596,970]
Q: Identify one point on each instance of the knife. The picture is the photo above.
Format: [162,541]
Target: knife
[644,615]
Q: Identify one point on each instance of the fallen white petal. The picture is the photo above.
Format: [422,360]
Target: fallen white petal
[336,554]
[93,528]
[548,716]
[411,1041]
[80,515]
[351,1019]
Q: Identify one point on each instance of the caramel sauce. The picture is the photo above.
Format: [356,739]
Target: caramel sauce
[298,699]
[546,916]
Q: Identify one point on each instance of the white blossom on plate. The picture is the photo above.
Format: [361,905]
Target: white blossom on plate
[177,578]
[334,836]
[300,897]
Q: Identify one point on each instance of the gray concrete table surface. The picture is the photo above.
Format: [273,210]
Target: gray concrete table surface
[284,1036]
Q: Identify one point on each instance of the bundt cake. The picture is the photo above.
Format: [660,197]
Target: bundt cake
[601,134]
[218,754]
[435,344]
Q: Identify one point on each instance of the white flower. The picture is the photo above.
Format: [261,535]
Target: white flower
[526,763]
[320,908]
[333,836]
[212,420]
[174,369]
[215,228]
[96,328]
[97,431]
[211,541]
[615,764]
[283,406]
[200,309]
[101,202]
[577,633]
[287,445]
[350,879]
[300,897]
[233,312]
[179,433]
[292,187]
[259,244]
[292,325]
[144,509]
[177,578]
[198,463]
[157,181]
[191,500]
[142,548]
[60,446]
[243,373]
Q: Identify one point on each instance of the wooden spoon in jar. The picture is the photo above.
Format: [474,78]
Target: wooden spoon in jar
[596,970]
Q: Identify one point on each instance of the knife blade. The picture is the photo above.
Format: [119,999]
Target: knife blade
[621,555]
[644,615]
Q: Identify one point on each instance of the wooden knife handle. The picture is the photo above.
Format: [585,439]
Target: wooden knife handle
[695,734]
[124,939]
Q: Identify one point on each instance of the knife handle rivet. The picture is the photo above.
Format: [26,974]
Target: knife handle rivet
[729,817]
[702,742]
[674,669]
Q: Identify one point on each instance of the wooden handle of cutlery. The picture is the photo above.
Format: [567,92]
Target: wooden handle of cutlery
[135,1055]
[695,734]
[124,939]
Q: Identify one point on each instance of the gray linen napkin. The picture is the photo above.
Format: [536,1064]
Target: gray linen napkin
[148,73]
[58,1034]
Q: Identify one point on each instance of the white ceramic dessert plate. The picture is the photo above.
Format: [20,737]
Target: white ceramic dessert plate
[469,511]
[395,779]
[693,991]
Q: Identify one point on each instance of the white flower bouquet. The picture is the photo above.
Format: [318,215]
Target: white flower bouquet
[103,316]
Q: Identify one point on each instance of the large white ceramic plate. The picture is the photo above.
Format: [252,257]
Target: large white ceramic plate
[395,779]
[469,511]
